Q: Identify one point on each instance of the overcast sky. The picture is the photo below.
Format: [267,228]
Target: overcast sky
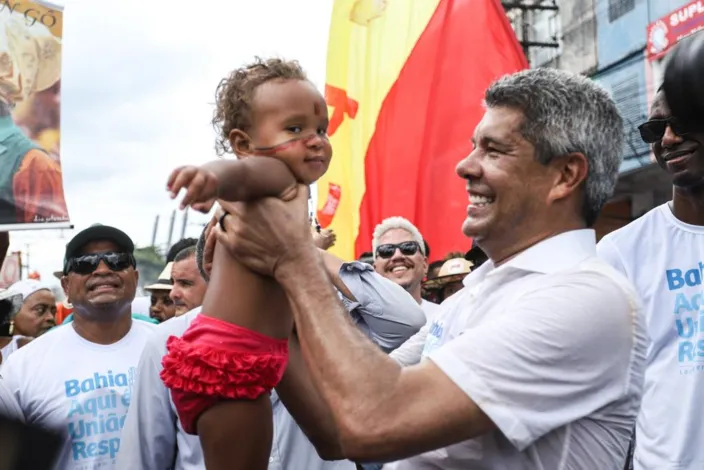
[138,84]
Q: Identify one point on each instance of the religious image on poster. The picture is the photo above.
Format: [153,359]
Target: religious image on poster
[31,183]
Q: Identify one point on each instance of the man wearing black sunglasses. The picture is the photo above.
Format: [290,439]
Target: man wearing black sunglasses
[400,255]
[676,144]
[662,253]
[82,373]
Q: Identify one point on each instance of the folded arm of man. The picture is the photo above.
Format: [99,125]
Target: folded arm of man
[389,315]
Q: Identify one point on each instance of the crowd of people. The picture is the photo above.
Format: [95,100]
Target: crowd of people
[537,348]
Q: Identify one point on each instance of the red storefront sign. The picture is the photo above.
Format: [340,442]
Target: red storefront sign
[664,33]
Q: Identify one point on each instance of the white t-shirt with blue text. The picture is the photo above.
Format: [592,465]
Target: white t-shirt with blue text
[664,259]
[430,309]
[81,389]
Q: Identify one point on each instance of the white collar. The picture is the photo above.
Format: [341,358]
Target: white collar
[548,256]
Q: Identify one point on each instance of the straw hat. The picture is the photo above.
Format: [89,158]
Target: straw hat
[30,58]
[164,281]
[453,270]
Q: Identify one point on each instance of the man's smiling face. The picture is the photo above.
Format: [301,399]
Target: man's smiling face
[404,270]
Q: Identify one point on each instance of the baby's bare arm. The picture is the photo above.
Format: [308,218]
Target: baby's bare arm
[252,178]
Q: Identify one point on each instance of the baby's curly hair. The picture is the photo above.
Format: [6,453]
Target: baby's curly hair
[233,96]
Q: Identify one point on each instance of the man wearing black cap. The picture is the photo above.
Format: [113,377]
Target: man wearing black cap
[78,379]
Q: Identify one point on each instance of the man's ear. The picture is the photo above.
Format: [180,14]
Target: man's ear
[64,284]
[570,172]
[240,143]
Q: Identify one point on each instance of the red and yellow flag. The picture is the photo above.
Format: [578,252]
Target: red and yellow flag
[405,82]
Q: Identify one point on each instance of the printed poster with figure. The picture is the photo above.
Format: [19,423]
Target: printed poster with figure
[31,183]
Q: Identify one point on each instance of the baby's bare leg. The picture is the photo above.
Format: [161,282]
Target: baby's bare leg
[237,435]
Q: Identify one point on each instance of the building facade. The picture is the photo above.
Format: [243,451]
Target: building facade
[623,45]
[633,38]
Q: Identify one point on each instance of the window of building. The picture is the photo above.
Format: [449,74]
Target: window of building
[546,27]
[618,8]
[628,94]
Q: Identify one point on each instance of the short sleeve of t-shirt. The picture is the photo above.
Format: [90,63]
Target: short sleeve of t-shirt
[411,352]
[9,408]
[608,252]
[11,376]
[560,352]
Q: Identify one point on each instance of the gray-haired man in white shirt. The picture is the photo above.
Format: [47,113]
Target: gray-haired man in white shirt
[538,362]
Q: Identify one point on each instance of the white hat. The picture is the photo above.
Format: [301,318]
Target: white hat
[164,282]
[14,297]
[28,287]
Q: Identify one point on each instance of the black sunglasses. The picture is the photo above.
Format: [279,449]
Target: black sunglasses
[86,264]
[653,130]
[388,250]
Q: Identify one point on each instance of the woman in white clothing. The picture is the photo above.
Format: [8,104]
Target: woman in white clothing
[29,316]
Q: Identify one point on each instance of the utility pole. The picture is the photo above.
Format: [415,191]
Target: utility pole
[156,227]
[184,224]
[171,229]
[24,267]
[522,15]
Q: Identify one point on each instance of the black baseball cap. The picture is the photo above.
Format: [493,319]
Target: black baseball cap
[94,233]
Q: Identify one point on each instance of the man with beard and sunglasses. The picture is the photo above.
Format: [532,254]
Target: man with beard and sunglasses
[400,256]
[662,253]
[78,379]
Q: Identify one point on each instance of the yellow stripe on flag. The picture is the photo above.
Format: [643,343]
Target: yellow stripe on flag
[369,43]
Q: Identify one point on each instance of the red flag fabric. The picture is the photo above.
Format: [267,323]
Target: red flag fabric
[428,118]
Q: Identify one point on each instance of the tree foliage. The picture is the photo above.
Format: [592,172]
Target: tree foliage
[150,263]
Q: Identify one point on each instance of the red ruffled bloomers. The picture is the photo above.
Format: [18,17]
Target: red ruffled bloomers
[216,360]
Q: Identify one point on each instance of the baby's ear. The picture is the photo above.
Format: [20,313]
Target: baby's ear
[240,143]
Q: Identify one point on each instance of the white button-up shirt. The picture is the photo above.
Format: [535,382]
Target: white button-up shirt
[551,346]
